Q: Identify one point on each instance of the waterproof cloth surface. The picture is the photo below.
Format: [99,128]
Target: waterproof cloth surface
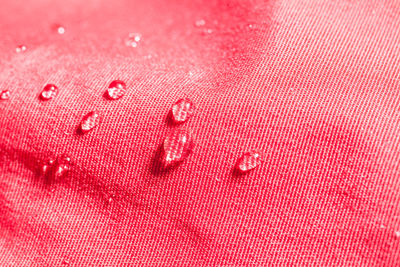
[312,84]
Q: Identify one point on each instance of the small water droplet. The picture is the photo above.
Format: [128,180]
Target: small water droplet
[116,89]
[249,161]
[55,168]
[5,94]
[20,48]
[46,167]
[63,166]
[182,110]
[207,31]
[89,121]
[49,92]
[60,29]
[177,146]
[133,39]
[200,23]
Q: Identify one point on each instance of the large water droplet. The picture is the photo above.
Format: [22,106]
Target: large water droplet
[5,94]
[49,92]
[133,39]
[177,146]
[182,110]
[20,48]
[89,121]
[397,234]
[249,161]
[116,89]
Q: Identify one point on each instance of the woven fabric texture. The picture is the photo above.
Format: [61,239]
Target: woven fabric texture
[312,84]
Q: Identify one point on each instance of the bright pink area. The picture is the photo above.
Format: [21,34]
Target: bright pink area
[313,84]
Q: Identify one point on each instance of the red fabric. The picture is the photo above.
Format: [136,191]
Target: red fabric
[312,84]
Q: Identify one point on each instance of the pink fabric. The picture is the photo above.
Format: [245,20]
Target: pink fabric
[313,84]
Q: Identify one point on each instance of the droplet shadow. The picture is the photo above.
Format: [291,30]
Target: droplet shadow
[78,130]
[237,175]
[157,167]
[106,95]
[169,120]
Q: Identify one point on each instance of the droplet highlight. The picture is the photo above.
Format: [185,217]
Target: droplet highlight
[62,167]
[177,146]
[182,110]
[200,23]
[133,39]
[55,168]
[49,92]
[60,29]
[5,94]
[47,166]
[90,121]
[116,90]
[249,161]
[20,48]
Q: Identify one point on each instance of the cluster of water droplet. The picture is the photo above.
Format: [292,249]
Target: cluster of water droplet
[133,39]
[177,145]
[55,168]
[20,48]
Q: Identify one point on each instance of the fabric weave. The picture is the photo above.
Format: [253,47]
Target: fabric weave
[312,84]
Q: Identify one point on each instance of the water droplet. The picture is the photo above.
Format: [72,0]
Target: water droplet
[200,22]
[397,233]
[133,39]
[60,29]
[46,167]
[177,146]
[20,48]
[55,168]
[5,94]
[49,92]
[116,89]
[249,161]
[89,121]
[62,167]
[182,110]
[207,31]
